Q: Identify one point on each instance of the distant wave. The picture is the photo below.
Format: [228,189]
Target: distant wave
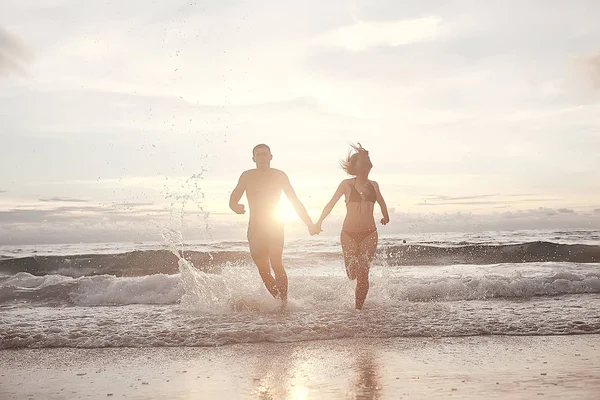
[135,263]
[491,254]
[149,262]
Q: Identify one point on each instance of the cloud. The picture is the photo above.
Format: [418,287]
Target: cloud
[63,199]
[363,35]
[133,204]
[100,224]
[88,224]
[483,199]
[60,214]
[565,211]
[591,69]
[130,206]
[13,54]
[538,212]
[462,203]
[440,199]
[536,218]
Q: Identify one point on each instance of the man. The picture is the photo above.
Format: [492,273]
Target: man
[263,187]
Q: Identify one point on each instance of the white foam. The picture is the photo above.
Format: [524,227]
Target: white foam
[109,290]
[26,280]
[239,287]
[160,325]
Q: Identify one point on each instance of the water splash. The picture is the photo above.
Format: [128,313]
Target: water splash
[203,292]
[236,288]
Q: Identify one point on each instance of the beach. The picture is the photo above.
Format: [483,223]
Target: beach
[489,316]
[299,200]
[491,367]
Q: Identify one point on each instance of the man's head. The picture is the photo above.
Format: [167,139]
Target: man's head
[261,154]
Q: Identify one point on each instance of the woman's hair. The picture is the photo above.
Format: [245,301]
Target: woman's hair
[349,164]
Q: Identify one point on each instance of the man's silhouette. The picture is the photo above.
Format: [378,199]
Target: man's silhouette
[263,187]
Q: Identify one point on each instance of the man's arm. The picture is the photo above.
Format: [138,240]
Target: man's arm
[298,206]
[382,205]
[236,195]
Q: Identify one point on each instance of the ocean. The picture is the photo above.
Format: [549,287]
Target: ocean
[209,293]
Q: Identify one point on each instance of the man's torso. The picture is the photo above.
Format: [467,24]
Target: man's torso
[263,190]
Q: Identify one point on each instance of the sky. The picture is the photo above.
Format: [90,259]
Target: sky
[124,121]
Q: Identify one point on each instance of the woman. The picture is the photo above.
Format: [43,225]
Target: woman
[359,232]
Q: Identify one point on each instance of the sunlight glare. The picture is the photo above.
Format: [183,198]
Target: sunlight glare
[285,211]
[299,393]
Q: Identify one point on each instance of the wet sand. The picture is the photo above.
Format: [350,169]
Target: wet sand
[490,367]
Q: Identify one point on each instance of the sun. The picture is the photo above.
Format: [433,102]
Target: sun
[285,211]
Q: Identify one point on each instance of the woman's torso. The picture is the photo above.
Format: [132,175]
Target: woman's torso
[360,203]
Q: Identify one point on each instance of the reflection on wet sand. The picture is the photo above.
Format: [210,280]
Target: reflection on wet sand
[291,372]
[366,385]
[272,374]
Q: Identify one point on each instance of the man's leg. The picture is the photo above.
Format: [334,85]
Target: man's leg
[259,250]
[276,256]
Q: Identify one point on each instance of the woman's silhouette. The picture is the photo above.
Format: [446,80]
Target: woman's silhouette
[359,232]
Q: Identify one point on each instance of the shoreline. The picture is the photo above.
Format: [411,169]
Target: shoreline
[474,367]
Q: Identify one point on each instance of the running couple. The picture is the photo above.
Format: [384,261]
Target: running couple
[263,186]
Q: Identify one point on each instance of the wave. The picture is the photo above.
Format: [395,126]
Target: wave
[215,292]
[135,263]
[193,308]
[149,262]
[322,311]
[55,290]
[538,251]
[186,331]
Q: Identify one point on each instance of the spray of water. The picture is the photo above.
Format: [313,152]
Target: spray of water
[204,292]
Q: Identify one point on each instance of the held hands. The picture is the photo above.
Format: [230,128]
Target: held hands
[238,208]
[385,220]
[314,229]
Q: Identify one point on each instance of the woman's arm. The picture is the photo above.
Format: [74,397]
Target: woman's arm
[336,196]
[382,205]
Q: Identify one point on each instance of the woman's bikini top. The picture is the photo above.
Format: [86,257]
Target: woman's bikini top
[355,196]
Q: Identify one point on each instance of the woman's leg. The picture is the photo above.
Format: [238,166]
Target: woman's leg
[366,250]
[350,251]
